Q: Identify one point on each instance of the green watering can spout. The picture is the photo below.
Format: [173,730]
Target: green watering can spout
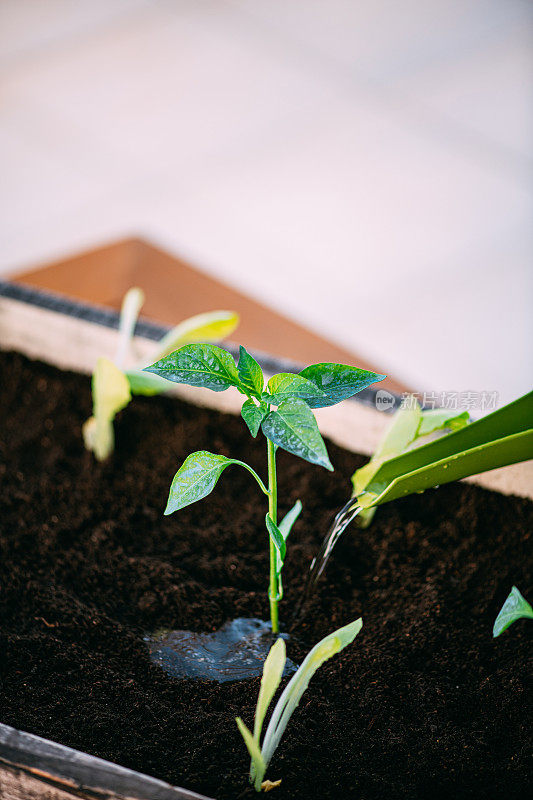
[497,440]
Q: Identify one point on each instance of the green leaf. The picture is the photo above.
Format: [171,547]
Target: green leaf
[294,690]
[253,415]
[129,312]
[212,326]
[403,430]
[277,537]
[250,373]
[198,476]
[111,393]
[258,769]
[198,365]
[285,527]
[338,382]
[293,427]
[436,419]
[289,519]
[515,607]
[286,385]
[272,672]
[146,383]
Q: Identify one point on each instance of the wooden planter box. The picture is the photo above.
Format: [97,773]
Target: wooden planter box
[175,290]
[71,335]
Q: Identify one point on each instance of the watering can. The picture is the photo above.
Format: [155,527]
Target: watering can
[501,438]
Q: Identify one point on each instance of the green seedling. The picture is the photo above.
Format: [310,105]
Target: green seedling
[281,409]
[515,607]
[113,386]
[261,755]
[409,428]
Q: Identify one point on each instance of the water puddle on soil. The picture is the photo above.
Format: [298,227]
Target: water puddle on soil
[233,653]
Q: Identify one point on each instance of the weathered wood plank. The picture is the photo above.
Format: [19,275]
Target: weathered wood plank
[32,768]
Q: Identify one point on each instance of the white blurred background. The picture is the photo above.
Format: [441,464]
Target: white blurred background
[362,165]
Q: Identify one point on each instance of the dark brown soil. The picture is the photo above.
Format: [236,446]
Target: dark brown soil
[423,704]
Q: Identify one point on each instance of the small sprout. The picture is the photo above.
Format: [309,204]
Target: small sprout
[409,425]
[131,306]
[282,410]
[111,393]
[261,755]
[112,386]
[515,607]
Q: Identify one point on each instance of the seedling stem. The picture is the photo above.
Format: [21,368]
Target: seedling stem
[273,593]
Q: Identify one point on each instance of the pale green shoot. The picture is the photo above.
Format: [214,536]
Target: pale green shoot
[110,387]
[111,393]
[131,306]
[290,697]
[113,386]
[272,672]
[212,326]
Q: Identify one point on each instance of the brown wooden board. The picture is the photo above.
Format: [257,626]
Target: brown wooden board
[32,768]
[175,290]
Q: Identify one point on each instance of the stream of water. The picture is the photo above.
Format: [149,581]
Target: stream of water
[347,513]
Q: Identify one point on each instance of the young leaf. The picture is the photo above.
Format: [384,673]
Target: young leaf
[198,365]
[250,373]
[210,327]
[111,393]
[338,382]
[146,383]
[253,415]
[272,672]
[294,690]
[258,767]
[129,312]
[289,519]
[198,476]
[402,431]
[286,385]
[515,607]
[277,537]
[285,527]
[436,419]
[293,427]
